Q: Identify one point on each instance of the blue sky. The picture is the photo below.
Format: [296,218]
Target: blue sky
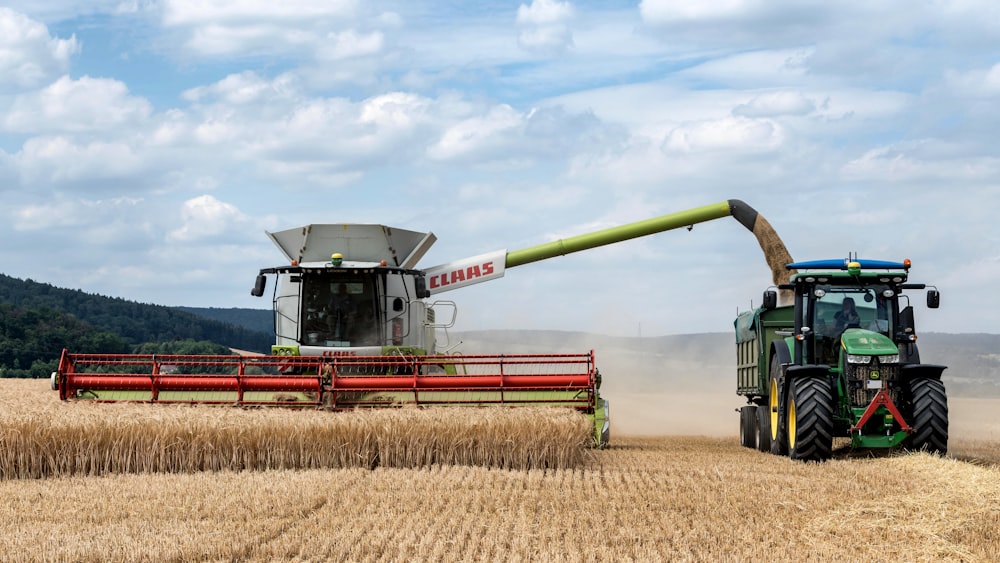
[145,146]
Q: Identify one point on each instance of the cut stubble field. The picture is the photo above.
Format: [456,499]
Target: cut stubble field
[647,498]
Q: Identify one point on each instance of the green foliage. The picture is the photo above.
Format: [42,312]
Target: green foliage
[187,347]
[259,320]
[38,321]
[135,322]
[31,340]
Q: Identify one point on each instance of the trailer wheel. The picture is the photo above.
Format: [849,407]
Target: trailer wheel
[810,419]
[929,404]
[778,443]
[748,426]
[763,429]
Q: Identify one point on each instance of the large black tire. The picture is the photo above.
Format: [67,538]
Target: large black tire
[748,426]
[763,429]
[810,418]
[929,406]
[776,423]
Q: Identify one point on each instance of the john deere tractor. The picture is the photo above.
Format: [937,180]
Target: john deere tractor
[839,359]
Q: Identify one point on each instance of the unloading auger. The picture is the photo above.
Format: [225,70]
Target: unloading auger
[354,328]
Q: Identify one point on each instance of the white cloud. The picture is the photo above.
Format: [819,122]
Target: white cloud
[727,134]
[245,88]
[923,163]
[257,27]
[29,55]
[205,217]
[477,134]
[196,12]
[85,104]
[59,159]
[670,11]
[350,44]
[773,104]
[90,219]
[777,67]
[545,26]
[544,12]
[975,83]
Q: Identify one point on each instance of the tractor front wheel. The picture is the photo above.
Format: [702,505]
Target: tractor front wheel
[929,405]
[810,418]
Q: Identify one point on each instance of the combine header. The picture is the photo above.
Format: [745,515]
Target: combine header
[354,328]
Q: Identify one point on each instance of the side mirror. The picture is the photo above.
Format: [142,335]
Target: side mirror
[259,285]
[933,299]
[420,284]
[770,300]
[397,304]
[906,321]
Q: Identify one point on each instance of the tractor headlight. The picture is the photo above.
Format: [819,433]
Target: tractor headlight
[889,359]
[852,359]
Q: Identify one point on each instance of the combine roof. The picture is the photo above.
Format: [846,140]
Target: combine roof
[356,243]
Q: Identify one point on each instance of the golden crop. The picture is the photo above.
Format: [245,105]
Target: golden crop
[45,438]
[644,499]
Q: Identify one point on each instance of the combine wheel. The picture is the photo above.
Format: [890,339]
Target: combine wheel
[763,442]
[810,419]
[930,416]
[778,443]
[748,426]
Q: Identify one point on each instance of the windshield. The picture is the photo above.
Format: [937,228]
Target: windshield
[839,308]
[339,310]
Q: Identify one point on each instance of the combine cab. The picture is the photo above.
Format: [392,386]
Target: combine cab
[356,326]
[841,360]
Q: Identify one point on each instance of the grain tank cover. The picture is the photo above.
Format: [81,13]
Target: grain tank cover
[357,243]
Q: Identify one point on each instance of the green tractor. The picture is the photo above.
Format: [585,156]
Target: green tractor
[840,361]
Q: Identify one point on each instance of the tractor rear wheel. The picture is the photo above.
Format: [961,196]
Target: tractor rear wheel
[810,418]
[763,429]
[929,405]
[748,426]
[778,443]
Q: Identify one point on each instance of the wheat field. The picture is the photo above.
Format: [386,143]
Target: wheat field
[655,498]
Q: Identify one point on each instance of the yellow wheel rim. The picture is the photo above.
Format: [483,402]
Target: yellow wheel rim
[791,423]
[774,409]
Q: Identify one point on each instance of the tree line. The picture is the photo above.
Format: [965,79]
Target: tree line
[38,320]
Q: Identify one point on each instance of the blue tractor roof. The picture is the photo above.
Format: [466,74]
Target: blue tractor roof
[841,264]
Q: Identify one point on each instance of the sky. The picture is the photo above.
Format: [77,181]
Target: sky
[147,145]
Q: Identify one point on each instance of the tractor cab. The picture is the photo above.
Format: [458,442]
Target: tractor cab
[350,290]
[853,308]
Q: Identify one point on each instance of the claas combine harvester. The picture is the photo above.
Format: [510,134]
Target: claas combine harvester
[356,327]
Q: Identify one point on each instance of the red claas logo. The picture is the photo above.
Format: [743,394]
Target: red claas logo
[461,275]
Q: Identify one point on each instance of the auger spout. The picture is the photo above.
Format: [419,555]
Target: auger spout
[775,252]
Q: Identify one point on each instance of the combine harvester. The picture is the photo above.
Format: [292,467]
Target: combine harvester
[840,361]
[354,329]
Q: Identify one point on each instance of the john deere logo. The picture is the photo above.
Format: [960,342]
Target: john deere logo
[873,375]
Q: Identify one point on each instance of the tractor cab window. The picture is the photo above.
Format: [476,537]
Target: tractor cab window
[339,310]
[838,308]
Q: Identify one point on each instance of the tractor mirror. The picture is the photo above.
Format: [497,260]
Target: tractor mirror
[770,300]
[259,285]
[906,320]
[397,304]
[420,283]
[933,299]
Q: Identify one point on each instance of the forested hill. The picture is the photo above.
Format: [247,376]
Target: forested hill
[257,320]
[136,323]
